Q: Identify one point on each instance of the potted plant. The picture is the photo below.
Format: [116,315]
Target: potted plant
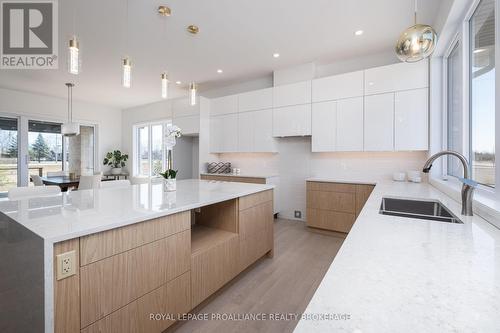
[116,160]
[169,181]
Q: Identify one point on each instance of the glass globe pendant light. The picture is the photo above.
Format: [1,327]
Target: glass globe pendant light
[417,42]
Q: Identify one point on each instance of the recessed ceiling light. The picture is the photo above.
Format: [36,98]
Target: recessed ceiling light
[219,71]
[276,55]
[358,32]
[178,82]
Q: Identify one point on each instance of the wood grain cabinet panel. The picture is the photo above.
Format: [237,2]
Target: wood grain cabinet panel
[172,298]
[213,267]
[335,206]
[362,194]
[111,283]
[337,201]
[256,233]
[67,293]
[255,199]
[105,244]
[330,220]
[235,179]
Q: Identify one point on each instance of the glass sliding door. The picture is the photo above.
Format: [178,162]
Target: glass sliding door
[45,147]
[8,154]
[149,149]
[157,151]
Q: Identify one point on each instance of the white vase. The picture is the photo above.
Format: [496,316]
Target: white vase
[169,185]
[116,171]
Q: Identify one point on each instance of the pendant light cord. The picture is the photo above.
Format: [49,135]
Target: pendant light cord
[416,9]
[69,104]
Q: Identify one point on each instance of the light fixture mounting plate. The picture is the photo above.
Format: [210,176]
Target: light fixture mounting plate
[164,11]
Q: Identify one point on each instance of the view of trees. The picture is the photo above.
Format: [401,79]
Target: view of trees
[39,150]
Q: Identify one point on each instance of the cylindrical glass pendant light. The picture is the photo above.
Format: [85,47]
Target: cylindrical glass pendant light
[192,93]
[417,42]
[74,56]
[70,128]
[164,86]
[126,72]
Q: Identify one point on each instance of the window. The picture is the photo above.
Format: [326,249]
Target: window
[149,151]
[455,112]
[482,91]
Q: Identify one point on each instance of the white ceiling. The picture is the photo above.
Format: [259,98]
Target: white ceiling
[238,36]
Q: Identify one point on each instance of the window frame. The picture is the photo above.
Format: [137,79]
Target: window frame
[135,145]
[463,35]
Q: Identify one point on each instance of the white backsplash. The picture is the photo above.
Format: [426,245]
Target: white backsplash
[295,162]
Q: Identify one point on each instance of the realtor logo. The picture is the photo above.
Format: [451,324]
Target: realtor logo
[29,34]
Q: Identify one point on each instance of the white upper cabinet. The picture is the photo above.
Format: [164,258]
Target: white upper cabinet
[189,125]
[397,77]
[338,87]
[411,120]
[379,122]
[350,124]
[224,133]
[263,140]
[246,128]
[224,105]
[324,126]
[292,94]
[181,108]
[255,100]
[292,120]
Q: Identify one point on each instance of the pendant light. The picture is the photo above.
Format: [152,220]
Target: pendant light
[417,42]
[192,93]
[164,86]
[74,52]
[126,72]
[70,128]
[126,63]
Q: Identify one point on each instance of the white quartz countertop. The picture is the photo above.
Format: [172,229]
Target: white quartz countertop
[244,175]
[79,213]
[395,274]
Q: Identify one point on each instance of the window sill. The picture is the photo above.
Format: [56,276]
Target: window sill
[485,205]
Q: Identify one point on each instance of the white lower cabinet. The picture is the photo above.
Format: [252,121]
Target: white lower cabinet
[411,111]
[324,126]
[224,133]
[350,124]
[292,120]
[189,125]
[379,122]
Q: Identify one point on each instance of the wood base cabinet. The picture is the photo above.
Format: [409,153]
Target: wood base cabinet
[335,206]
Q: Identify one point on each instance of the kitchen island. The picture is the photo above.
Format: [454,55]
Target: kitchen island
[115,257]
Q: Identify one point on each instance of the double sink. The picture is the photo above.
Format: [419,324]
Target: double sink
[418,209]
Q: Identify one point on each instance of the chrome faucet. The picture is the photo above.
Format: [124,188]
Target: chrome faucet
[468,184]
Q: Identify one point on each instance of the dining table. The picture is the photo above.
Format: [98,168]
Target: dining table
[64,182]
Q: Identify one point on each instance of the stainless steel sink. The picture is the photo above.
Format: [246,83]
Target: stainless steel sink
[418,209]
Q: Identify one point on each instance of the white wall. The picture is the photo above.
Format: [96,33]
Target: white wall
[107,119]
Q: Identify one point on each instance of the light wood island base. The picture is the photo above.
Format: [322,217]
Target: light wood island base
[160,267]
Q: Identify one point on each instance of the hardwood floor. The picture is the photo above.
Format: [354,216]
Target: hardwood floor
[283,284]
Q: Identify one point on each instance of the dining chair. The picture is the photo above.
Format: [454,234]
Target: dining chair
[139,180]
[56,173]
[89,182]
[115,183]
[17,193]
[37,180]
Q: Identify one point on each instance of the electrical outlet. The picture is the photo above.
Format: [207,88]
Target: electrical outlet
[298,214]
[66,263]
